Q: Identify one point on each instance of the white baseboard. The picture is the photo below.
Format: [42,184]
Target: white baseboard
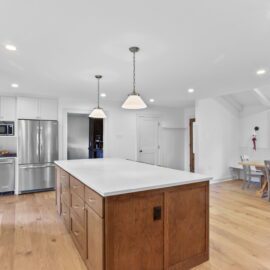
[225,179]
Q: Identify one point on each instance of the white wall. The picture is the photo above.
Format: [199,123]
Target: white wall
[120,133]
[218,138]
[248,121]
[173,145]
[8,143]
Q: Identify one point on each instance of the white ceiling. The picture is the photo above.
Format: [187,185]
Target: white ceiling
[213,46]
[247,98]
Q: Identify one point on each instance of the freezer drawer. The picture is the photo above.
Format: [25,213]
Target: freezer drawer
[7,175]
[36,177]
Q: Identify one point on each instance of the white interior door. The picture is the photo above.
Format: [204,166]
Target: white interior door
[148,148]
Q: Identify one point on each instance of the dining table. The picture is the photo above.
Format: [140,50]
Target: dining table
[260,166]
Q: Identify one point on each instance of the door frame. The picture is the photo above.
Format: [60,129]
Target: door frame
[156,117]
[191,145]
[63,131]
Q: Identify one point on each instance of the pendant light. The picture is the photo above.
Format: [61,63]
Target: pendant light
[134,101]
[97,112]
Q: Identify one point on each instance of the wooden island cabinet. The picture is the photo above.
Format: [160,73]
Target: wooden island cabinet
[164,228]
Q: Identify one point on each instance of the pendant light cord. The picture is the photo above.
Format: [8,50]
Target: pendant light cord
[98,93]
[134,78]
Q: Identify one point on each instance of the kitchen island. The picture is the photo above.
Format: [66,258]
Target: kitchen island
[125,215]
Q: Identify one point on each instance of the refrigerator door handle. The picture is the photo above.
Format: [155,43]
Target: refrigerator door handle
[36,166]
[49,165]
[38,142]
[32,166]
[41,143]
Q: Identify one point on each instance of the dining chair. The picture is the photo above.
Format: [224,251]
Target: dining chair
[247,176]
[267,173]
[249,173]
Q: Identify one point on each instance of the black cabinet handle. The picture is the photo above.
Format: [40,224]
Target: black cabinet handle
[157,213]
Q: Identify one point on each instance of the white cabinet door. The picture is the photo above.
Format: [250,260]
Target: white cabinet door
[28,108]
[7,108]
[48,109]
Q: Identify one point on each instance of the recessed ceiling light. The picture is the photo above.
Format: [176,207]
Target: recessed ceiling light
[190,90]
[14,85]
[11,47]
[151,100]
[261,71]
[103,94]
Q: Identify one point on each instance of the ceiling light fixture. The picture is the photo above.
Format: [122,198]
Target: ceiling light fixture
[191,90]
[151,100]
[103,95]
[261,72]
[14,85]
[97,112]
[10,47]
[134,101]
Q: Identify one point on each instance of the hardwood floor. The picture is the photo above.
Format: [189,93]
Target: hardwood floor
[33,237]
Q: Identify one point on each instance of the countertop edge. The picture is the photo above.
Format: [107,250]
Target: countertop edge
[128,191]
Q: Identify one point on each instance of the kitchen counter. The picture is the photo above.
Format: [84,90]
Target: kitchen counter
[123,214]
[110,176]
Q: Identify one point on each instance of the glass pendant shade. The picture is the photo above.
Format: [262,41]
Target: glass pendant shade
[134,102]
[97,113]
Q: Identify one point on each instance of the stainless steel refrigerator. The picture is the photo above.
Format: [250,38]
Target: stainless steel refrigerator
[38,149]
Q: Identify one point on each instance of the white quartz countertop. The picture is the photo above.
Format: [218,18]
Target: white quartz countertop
[112,176]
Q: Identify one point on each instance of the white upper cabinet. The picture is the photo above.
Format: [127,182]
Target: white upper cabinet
[37,108]
[27,108]
[7,108]
[48,109]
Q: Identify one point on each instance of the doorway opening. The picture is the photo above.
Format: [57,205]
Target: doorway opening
[95,138]
[191,149]
[84,137]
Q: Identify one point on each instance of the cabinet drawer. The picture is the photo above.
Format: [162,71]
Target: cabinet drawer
[66,216]
[77,187]
[94,201]
[78,234]
[77,207]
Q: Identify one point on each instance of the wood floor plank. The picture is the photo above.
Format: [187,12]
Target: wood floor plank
[33,237]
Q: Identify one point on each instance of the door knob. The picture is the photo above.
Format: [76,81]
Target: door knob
[140,151]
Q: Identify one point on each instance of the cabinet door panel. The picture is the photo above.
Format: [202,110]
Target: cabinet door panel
[48,109]
[28,108]
[78,234]
[186,226]
[95,241]
[66,215]
[77,207]
[58,190]
[8,108]
[134,238]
